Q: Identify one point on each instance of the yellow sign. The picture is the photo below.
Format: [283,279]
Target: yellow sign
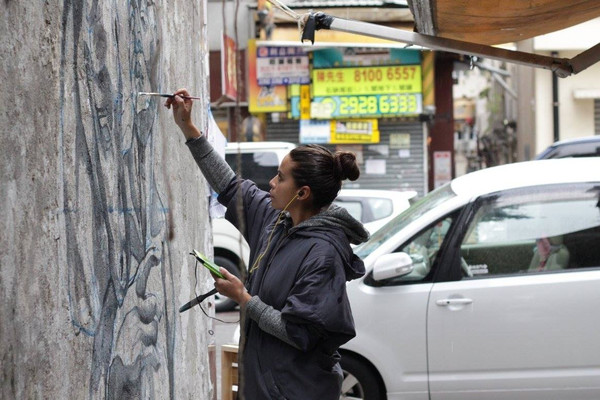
[376,80]
[354,131]
[305,102]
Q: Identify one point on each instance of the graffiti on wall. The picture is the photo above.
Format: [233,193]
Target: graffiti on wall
[115,220]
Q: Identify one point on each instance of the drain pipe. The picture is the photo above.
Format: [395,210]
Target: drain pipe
[555,102]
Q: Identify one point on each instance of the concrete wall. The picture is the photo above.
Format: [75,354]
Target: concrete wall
[100,201]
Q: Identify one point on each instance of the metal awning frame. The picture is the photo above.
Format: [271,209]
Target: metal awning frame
[562,67]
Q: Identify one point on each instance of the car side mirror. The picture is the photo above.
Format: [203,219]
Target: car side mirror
[392,265]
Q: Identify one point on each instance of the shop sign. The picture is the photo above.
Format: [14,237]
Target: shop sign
[366,80]
[376,91]
[354,131]
[304,102]
[442,168]
[313,131]
[281,66]
[400,141]
[228,67]
[363,56]
[263,98]
[382,105]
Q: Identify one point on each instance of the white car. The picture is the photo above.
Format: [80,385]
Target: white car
[587,146]
[486,288]
[374,208]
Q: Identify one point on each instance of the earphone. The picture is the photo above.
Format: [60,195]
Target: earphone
[300,193]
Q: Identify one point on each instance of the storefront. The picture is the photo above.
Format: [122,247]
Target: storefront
[366,100]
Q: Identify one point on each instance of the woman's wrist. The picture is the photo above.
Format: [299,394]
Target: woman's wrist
[244,299]
[190,131]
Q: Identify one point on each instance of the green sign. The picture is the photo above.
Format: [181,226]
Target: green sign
[328,107]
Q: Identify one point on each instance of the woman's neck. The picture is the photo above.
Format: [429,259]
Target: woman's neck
[301,215]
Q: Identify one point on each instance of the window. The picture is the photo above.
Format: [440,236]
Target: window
[423,249]
[534,230]
[416,211]
[380,208]
[355,208]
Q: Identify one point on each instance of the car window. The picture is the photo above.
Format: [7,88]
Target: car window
[421,207]
[259,166]
[423,250]
[534,230]
[380,208]
[355,208]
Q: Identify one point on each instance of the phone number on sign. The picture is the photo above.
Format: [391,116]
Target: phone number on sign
[382,104]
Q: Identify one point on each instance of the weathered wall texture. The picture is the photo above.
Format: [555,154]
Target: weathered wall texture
[94,181]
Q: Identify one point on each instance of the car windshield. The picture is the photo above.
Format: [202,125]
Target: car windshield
[420,207]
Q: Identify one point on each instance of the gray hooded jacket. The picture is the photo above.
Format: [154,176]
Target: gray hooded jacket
[299,312]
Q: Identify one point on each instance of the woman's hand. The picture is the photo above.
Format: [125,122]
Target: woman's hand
[231,287]
[182,113]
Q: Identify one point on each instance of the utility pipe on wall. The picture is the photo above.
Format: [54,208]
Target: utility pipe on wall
[555,108]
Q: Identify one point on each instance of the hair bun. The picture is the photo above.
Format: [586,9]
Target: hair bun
[346,166]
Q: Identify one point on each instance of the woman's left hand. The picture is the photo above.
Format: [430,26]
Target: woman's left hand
[231,287]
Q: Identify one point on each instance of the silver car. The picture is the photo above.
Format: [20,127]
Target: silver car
[486,288]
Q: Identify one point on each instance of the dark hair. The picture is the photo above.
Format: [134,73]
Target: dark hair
[323,171]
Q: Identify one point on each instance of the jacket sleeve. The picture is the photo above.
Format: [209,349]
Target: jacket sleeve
[219,175]
[268,319]
[317,311]
[216,171]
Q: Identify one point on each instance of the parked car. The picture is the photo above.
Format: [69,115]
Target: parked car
[259,162]
[374,208]
[588,146]
[487,287]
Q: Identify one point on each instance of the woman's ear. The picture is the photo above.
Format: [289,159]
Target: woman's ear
[304,193]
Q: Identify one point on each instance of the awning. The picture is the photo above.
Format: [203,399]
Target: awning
[469,27]
[499,21]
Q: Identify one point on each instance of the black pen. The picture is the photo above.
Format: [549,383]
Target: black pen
[197,300]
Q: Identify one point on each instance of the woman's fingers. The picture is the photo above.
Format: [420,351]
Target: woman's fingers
[177,100]
[228,275]
[181,92]
[230,285]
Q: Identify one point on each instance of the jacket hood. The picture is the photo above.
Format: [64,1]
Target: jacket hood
[328,225]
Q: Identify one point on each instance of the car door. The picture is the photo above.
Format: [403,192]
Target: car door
[390,315]
[520,324]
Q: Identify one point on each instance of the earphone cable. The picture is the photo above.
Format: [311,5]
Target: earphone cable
[261,255]
[210,331]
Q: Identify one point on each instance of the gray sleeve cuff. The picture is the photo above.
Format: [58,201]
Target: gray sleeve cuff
[216,171]
[268,319]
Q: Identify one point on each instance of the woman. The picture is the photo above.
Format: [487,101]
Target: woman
[295,298]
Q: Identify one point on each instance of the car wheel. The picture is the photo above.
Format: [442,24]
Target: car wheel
[359,381]
[224,303]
